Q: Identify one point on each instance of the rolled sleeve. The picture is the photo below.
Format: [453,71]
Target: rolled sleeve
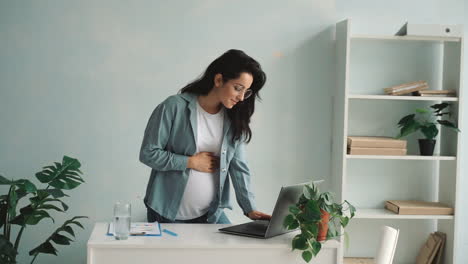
[240,176]
[157,133]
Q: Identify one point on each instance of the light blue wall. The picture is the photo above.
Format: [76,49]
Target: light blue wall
[82,79]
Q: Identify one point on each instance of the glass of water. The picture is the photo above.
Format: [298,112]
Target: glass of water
[122,216]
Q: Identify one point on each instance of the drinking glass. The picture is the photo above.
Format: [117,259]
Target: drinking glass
[122,220]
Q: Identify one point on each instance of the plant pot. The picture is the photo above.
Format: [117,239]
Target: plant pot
[323,226]
[426,147]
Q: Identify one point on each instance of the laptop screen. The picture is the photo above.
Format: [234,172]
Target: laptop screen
[289,195]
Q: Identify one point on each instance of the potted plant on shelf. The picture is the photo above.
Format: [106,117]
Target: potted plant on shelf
[318,218]
[57,177]
[426,121]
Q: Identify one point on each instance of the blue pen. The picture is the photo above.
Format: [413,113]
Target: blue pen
[169,232]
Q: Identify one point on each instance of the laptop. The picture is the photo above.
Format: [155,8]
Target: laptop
[289,195]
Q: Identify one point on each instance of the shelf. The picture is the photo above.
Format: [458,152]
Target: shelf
[385,214]
[406,157]
[407,38]
[403,98]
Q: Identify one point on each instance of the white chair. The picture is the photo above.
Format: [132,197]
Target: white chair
[387,247]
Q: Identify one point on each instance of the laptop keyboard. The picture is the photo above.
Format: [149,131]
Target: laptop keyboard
[256,228]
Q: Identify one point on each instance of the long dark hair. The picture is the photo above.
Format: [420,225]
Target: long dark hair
[230,65]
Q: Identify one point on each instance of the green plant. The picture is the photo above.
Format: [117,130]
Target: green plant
[58,177]
[426,121]
[306,215]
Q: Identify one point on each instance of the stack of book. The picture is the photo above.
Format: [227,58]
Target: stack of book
[431,252]
[376,146]
[406,88]
[415,207]
[441,93]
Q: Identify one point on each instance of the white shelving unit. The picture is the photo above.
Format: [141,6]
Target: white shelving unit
[366,64]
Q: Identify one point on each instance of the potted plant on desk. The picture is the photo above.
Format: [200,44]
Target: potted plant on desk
[426,121]
[319,219]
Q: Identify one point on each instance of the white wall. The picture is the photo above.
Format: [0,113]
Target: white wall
[82,78]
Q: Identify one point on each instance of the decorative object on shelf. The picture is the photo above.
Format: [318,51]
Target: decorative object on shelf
[428,30]
[426,121]
[375,146]
[410,207]
[319,219]
[58,177]
[406,88]
[438,93]
[432,250]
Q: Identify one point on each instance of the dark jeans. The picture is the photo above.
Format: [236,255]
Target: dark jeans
[154,216]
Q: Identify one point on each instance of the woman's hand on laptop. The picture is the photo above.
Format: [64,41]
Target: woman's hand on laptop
[257,215]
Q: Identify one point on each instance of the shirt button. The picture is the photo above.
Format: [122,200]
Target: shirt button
[224,151]
[224,170]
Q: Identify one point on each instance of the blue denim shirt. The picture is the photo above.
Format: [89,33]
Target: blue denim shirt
[169,141]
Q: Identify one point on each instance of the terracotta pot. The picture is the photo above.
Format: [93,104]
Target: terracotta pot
[323,226]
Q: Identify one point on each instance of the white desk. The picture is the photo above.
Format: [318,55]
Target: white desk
[200,243]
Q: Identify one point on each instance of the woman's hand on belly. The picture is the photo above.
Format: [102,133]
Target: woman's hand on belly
[204,162]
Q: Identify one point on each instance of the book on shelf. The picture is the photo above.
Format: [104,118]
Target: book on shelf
[413,207]
[407,88]
[375,142]
[377,151]
[432,250]
[441,93]
[358,260]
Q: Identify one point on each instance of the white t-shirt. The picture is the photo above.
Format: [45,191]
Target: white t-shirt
[202,187]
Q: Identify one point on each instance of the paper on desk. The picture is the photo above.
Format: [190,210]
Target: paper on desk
[139,229]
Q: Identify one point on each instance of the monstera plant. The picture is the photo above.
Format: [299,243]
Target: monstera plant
[56,178]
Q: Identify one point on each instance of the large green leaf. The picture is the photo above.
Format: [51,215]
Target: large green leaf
[409,127]
[448,124]
[430,131]
[47,200]
[439,107]
[65,175]
[294,209]
[299,242]
[311,191]
[344,221]
[5,181]
[22,184]
[307,256]
[332,232]
[12,201]
[3,212]
[352,209]
[30,216]
[61,239]
[312,210]
[47,247]
[316,247]
[56,193]
[7,251]
[422,110]
[405,120]
[288,221]
[26,185]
